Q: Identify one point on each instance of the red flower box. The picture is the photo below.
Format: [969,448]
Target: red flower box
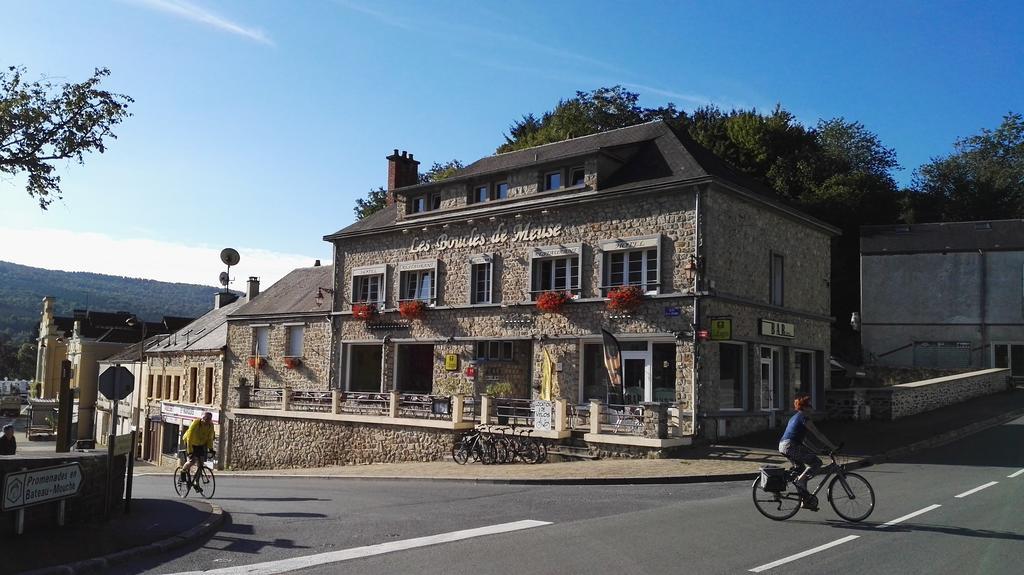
[292,362]
[625,298]
[257,361]
[411,309]
[364,311]
[552,301]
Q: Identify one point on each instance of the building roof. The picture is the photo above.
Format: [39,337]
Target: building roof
[994,235]
[646,152]
[293,294]
[112,327]
[208,333]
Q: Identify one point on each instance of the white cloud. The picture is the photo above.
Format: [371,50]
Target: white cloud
[142,258]
[198,14]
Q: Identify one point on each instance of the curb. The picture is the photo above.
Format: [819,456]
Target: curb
[104,563]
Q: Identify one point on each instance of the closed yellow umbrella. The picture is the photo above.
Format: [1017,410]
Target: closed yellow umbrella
[547,376]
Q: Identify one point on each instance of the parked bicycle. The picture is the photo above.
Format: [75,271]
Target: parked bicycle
[778,498]
[474,444]
[201,480]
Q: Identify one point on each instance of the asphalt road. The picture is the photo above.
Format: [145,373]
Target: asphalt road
[377,527]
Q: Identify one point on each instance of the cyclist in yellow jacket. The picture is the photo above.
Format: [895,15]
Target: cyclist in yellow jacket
[198,442]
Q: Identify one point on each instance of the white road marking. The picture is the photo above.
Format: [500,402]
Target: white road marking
[909,516]
[295,563]
[774,564]
[1016,473]
[977,489]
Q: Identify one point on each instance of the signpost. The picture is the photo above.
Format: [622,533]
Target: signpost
[543,415]
[26,488]
[116,383]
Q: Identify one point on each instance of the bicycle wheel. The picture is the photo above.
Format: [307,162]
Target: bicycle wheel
[851,496]
[528,451]
[180,487]
[776,506]
[205,482]
[484,451]
[460,453]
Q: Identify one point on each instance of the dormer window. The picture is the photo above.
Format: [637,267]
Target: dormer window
[417,204]
[552,180]
[576,176]
[487,192]
[435,201]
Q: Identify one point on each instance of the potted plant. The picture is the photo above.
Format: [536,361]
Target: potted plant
[625,298]
[292,362]
[257,361]
[552,301]
[365,311]
[411,309]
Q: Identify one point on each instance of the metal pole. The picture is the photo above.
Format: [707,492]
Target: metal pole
[128,480]
[110,441]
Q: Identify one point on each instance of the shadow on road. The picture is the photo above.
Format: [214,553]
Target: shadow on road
[271,499]
[920,527]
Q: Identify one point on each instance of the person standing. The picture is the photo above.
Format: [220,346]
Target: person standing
[8,445]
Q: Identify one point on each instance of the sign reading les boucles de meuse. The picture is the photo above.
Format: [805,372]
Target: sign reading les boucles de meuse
[25,488]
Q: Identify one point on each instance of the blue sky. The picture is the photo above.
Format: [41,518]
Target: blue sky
[258,123]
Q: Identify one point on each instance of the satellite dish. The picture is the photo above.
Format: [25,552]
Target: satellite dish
[224,279]
[229,256]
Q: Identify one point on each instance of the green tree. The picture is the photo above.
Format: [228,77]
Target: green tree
[42,123]
[377,199]
[983,179]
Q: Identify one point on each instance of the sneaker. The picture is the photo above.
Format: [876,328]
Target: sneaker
[809,505]
[198,489]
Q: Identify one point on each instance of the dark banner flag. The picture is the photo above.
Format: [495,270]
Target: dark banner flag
[613,361]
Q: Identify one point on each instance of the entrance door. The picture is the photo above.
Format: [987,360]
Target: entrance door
[636,377]
[803,375]
[415,373]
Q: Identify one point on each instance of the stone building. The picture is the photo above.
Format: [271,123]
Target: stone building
[727,318]
[944,295]
[278,350]
[183,376]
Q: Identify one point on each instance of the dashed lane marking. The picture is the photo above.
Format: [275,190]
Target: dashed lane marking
[908,516]
[1015,473]
[774,564]
[295,563]
[976,489]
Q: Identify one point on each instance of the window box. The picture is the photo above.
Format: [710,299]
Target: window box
[552,301]
[257,361]
[364,311]
[411,309]
[292,362]
[625,298]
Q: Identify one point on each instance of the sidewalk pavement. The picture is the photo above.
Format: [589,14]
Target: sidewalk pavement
[158,525]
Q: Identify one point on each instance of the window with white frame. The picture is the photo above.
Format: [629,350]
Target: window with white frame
[631,262]
[435,201]
[771,378]
[555,268]
[777,276]
[481,277]
[368,285]
[576,176]
[481,193]
[495,350]
[501,191]
[296,333]
[732,376]
[417,204]
[261,336]
[418,281]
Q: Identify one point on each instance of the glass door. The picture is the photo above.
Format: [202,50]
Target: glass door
[636,377]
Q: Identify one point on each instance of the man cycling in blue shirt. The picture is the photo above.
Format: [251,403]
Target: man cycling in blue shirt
[792,443]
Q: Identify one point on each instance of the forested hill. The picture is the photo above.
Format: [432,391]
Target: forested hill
[22,289]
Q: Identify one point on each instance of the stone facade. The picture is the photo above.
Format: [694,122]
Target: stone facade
[311,374]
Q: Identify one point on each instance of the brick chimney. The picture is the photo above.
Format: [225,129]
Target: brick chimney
[252,289]
[403,171]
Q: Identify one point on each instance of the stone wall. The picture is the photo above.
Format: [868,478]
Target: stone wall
[898,401]
[276,442]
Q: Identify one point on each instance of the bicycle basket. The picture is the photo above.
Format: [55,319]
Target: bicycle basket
[773,479]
